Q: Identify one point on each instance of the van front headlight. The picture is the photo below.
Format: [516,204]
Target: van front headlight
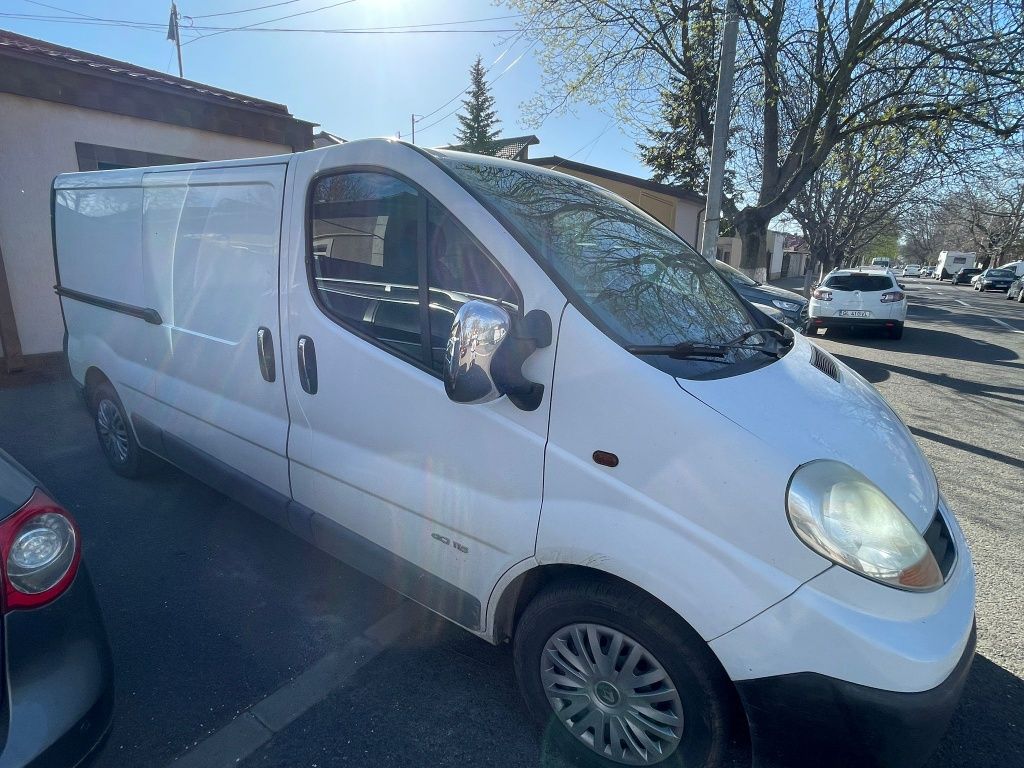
[844,517]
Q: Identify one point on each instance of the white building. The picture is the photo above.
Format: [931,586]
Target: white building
[64,110]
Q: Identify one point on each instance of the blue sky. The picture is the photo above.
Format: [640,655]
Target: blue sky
[353,85]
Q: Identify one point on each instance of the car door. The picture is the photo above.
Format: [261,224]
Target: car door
[434,498]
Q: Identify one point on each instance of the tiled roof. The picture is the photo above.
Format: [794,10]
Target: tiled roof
[12,44]
[510,149]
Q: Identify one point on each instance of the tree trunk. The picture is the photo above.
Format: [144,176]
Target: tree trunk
[753,231]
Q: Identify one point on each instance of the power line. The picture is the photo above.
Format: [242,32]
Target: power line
[148,26]
[502,55]
[245,10]
[257,26]
[62,10]
[279,18]
[447,23]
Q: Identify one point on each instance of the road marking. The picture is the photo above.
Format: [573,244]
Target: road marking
[1006,325]
[258,724]
[928,287]
[961,301]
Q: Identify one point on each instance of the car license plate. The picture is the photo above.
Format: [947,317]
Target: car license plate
[854,313]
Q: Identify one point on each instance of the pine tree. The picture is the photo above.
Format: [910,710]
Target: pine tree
[479,120]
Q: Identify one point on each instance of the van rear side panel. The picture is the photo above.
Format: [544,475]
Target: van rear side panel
[167,275]
[97,220]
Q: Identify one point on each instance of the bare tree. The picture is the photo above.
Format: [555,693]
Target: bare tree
[811,75]
[979,208]
[863,191]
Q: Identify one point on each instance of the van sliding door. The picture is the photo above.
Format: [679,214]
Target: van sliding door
[211,248]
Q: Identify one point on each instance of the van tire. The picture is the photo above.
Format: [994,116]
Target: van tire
[712,720]
[116,437]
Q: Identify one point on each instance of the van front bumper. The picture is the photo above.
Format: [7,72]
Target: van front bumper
[812,720]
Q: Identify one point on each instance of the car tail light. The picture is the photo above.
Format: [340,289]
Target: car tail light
[891,296]
[822,294]
[41,550]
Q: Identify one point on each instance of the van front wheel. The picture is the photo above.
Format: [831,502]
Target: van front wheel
[615,678]
[124,454]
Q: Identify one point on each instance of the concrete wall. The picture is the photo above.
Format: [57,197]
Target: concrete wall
[776,241]
[37,141]
[730,250]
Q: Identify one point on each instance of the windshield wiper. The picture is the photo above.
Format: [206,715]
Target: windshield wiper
[687,350]
[690,351]
[779,335]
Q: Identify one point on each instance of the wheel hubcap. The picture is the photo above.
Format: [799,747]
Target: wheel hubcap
[612,694]
[113,432]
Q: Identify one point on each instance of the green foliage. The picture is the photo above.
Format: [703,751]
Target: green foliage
[479,120]
[678,152]
[884,246]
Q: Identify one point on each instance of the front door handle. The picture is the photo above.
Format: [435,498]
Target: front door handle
[265,350]
[307,364]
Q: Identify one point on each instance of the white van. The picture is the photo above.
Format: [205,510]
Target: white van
[520,401]
[951,262]
[1016,266]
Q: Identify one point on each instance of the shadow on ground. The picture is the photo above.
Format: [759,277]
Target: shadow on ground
[987,730]
[876,371]
[933,343]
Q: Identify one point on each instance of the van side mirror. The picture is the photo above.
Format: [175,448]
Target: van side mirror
[486,351]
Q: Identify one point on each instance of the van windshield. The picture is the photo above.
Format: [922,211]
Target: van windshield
[630,275]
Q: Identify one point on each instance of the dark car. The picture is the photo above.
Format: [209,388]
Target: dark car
[1016,290]
[995,280]
[793,306]
[964,276]
[58,679]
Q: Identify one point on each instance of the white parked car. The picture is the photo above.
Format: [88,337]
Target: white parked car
[680,522]
[859,298]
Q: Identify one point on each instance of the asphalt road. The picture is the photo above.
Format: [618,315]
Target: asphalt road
[957,380]
[233,639]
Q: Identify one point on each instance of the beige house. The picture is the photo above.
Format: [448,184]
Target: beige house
[676,207]
[64,110]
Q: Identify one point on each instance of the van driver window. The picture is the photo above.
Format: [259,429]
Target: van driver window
[365,263]
[458,271]
[364,259]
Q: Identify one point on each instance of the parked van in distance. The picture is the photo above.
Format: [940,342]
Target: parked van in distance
[951,262]
[517,399]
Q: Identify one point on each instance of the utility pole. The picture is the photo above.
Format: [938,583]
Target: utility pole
[414,119]
[720,137]
[174,33]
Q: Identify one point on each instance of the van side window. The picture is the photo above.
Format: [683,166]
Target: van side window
[375,241]
[458,270]
[364,259]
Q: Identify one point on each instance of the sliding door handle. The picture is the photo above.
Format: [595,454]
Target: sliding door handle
[307,364]
[265,350]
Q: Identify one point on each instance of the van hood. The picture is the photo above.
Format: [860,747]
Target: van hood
[804,414]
